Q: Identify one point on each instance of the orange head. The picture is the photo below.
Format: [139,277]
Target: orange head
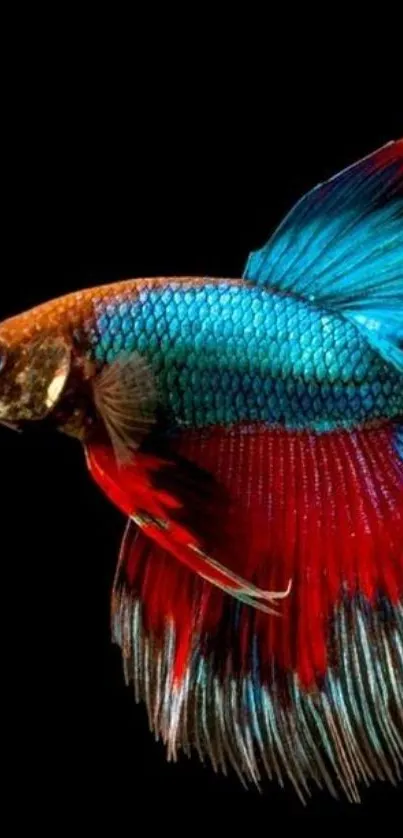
[41,361]
[47,371]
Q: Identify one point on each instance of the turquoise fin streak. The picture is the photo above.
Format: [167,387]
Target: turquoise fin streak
[341,248]
[399,441]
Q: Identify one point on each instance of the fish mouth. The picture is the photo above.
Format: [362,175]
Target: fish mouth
[13,426]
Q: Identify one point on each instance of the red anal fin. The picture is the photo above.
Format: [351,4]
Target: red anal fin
[322,511]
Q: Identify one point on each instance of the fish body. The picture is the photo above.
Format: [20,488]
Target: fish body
[225,352]
[251,431]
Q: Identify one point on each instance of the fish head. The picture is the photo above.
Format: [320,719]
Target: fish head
[41,370]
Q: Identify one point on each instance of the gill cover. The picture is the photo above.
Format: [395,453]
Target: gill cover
[41,377]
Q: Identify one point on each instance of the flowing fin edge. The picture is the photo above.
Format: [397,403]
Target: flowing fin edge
[341,738]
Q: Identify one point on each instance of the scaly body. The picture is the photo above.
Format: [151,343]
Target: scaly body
[225,353]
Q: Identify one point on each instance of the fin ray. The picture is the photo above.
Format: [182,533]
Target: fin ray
[125,396]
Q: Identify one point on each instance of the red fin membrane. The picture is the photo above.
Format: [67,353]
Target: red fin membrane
[315,695]
[184,509]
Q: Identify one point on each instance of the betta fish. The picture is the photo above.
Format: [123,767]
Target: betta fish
[250,431]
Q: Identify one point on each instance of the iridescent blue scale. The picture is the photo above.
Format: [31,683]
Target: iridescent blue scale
[227,353]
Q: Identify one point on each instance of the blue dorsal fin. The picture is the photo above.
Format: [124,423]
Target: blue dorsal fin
[341,248]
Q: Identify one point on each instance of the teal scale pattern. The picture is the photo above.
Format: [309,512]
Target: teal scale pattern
[224,353]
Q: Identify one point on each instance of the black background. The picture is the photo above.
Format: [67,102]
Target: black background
[103,183]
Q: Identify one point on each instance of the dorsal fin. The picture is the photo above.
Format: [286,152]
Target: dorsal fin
[341,248]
